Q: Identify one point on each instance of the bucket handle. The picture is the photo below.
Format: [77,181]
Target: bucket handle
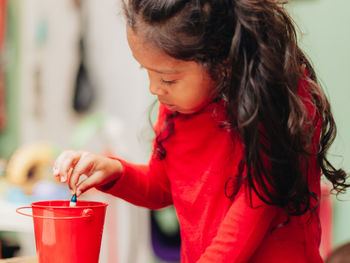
[86,213]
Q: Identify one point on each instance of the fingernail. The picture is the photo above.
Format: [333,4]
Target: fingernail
[78,192]
[55,171]
[63,179]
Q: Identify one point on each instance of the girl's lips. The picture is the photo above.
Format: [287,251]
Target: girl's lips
[170,107]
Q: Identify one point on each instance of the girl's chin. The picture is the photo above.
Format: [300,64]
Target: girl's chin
[173,108]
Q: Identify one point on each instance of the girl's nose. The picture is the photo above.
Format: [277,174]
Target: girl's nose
[156,89]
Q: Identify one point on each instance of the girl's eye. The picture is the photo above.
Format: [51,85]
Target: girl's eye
[168,82]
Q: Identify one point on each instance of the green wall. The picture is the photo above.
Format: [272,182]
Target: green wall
[9,137]
[325,27]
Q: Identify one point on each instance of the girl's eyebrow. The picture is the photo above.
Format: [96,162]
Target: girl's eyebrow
[170,72]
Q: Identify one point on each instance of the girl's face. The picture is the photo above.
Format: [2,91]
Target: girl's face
[182,86]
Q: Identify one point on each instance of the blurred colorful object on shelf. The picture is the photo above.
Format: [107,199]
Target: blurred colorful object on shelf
[29,164]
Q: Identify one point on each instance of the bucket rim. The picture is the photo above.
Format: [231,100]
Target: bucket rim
[50,204]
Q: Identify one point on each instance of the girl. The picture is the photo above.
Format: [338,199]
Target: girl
[241,137]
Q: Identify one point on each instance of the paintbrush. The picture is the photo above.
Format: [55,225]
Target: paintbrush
[73,201]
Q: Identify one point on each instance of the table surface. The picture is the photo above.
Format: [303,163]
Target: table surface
[20,260]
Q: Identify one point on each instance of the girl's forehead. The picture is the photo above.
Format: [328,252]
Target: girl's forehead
[152,57]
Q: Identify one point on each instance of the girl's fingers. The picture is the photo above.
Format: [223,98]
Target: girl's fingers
[67,164]
[84,166]
[71,165]
[57,163]
[92,181]
[64,165]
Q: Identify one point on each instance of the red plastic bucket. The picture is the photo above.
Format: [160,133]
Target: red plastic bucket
[66,234]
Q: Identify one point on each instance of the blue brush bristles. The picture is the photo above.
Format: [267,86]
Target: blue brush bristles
[73,201]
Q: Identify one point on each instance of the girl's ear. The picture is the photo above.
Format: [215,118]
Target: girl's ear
[224,69]
[220,76]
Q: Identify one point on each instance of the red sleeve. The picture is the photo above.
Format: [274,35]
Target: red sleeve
[142,185]
[241,231]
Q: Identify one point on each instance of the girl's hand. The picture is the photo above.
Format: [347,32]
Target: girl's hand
[100,170]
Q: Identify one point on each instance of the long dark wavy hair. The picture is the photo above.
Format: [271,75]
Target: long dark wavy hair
[249,47]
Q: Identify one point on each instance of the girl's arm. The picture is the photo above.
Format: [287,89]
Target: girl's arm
[142,185]
[241,231]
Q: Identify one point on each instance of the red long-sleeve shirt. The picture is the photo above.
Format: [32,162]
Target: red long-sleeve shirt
[200,157]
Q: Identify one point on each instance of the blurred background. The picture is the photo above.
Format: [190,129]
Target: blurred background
[68,81]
